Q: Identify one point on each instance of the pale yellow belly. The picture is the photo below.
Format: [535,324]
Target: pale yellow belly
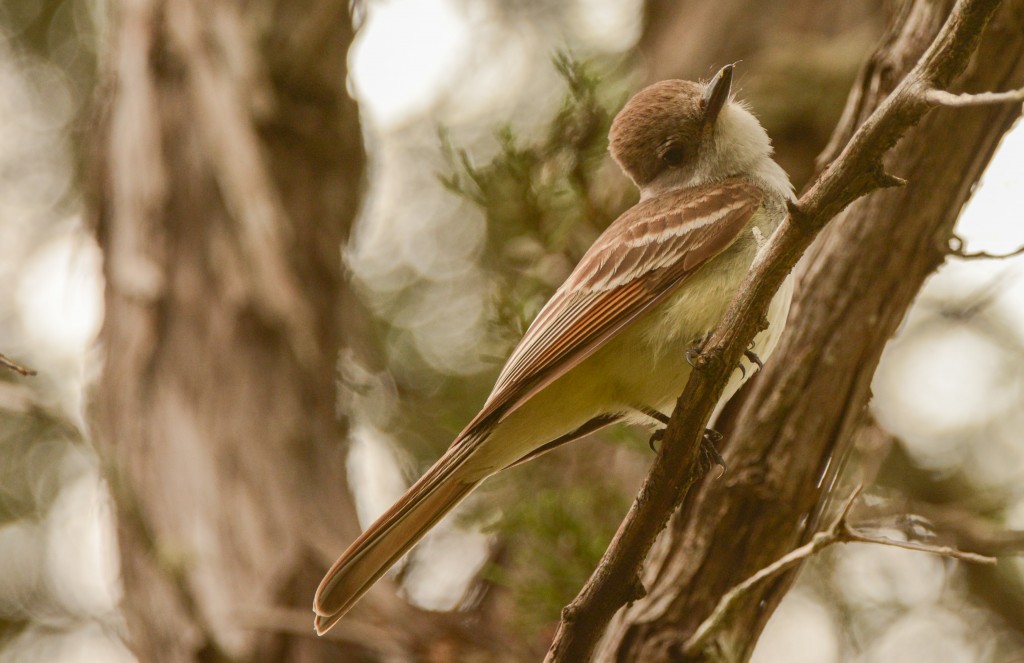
[643,367]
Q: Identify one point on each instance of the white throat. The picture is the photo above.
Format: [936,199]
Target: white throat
[740,147]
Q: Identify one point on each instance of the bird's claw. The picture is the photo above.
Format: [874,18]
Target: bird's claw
[693,354]
[752,356]
[656,437]
[707,446]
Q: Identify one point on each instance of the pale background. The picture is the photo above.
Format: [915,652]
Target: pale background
[950,386]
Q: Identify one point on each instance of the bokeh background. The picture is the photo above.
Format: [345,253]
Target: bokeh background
[486,178]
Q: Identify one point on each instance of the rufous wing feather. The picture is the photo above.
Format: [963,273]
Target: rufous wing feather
[644,256]
[392,535]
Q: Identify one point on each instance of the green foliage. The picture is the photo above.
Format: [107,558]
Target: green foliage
[544,199]
[557,537]
[545,202]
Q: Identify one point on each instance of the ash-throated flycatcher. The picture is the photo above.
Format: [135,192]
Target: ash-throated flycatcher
[611,343]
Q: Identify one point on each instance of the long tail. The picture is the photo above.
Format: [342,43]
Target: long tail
[392,535]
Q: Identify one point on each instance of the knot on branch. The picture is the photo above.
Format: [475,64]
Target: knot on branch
[570,613]
[637,590]
[699,358]
[797,216]
[762,324]
[884,180]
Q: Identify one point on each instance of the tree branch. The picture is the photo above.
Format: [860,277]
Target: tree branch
[956,249]
[850,535]
[856,172]
[950,521]
[7,362]
[943,98]
[839,532]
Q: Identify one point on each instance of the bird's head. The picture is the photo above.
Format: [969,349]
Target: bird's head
[676,134]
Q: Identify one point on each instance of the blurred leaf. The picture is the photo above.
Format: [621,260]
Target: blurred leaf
[557,537]
[540,200]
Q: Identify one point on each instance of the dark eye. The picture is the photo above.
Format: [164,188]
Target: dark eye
[673,155]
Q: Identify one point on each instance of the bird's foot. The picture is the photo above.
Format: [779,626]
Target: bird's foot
[752,356]
[693,357]
[710,451]
[656,437]
[661,418]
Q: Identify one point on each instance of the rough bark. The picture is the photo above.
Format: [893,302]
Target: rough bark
[230,166]
[792,430]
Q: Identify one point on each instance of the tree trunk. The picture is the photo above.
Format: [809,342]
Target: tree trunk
[231,165]
[786,439]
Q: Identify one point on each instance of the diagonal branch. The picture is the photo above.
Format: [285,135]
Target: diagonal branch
[856,172]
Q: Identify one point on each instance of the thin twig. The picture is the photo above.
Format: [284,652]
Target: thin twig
[7,362]
[839,532]
[967,527]
[956,248]
[943,98]
[850,535]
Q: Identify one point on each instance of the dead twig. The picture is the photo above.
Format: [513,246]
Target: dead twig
[943,98]
[956,249]
[839,532]
[966,527]
[7,362]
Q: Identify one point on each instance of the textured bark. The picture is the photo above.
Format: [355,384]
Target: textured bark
[231,165]
[788,436]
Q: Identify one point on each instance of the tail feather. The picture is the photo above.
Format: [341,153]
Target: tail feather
[388,538]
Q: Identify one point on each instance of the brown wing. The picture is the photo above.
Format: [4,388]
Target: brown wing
[636,263]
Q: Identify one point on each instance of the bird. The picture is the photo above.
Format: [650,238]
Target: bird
[612,343]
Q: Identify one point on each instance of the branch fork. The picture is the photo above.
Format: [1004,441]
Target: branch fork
[839,532]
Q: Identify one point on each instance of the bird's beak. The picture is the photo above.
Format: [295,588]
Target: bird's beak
[716,93]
